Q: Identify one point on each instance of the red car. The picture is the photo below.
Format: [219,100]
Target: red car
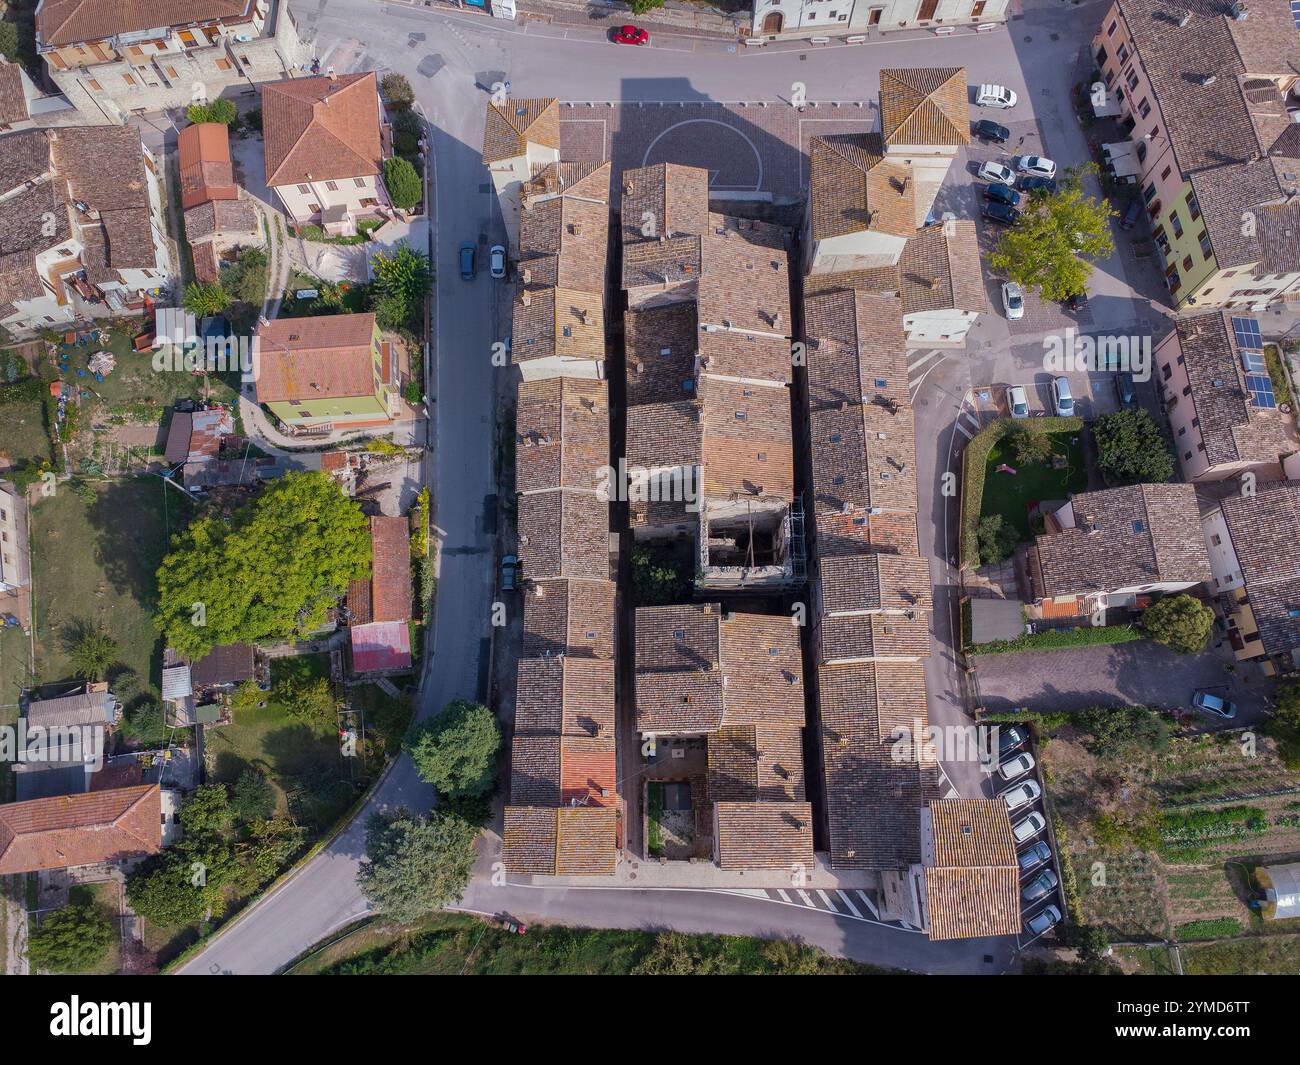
[631,35]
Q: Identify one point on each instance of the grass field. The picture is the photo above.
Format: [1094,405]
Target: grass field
[24,440]
[105,896]
[455,944]
[1253,956]
[1013,495]
[98,562]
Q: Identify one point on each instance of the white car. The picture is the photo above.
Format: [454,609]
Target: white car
[995,96]
[1017,766]
[998,173]
[1028,827]
[497,261]
[1013,301]
[1021,795]
[1018,401]
[1062,400]
[1036,166]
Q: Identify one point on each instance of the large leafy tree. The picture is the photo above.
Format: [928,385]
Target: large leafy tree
[1059,235]
[456,750]
[1131,448]
[416,865]
[403,183]
[1179,622]
[205,298]
[402,278]
[271,572]
[70,940]
[184,882]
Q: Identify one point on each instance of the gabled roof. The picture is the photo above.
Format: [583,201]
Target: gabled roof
[874,582]
[1263,528]
[577,841]
[663,201]
[551,322]
[853,187]
[571,618]
[84,708]
[380,646]
[319,129]
[564,241]
[206,172]
[756,763]
[230,663]
[561,434]
[513,125]
[390,582]
[864,455]
[581,180]
[563,533]
[322,357]
[60,22]
[940,269]
[13,94]
[972,877]
[924,106]
[763,835]
[563,749]
[71,830]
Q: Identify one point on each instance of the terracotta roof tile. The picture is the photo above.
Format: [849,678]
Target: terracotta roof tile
[763,835]
[320,129]
[513,125]
[571,618]
[853,188]
[72,830]
[315,358]
[563,533]
[390,540]
[561,434]
[62,22]
[924,106]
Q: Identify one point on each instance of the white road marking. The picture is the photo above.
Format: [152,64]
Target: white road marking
[758,158]
[827,899]
[963,430]
[784,896]
[866,901]
[844,898]
[916,364]
[807,899]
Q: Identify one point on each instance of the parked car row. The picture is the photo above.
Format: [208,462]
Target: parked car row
[469,261]
[1039,881]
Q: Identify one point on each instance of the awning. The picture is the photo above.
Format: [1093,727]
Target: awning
[1122,159]
[1105,104]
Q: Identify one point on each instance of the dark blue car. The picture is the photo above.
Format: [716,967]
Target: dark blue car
[467,265]
[1000,212]
[1002,194]
[1030,182]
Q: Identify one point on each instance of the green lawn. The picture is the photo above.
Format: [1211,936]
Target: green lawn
[1012,495]
[98,562]
[455,944]
[1250,956]
[24,439]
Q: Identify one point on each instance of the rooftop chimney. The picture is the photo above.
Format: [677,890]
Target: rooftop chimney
[526,298]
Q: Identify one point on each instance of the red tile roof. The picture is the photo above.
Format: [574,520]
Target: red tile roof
[71,830]
[390,594]
[381,645]
[329,356]
[317,129]
[206,170]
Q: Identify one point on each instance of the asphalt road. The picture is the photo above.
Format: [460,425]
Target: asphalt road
[449,59]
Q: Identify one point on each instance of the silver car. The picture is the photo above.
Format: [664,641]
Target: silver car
[1028,827]
[1017,766]
[1049,917]
[1043,883]
[1022,794]
[1032,857]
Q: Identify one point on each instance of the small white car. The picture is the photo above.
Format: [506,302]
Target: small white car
[1036,166]
[1018,401]
[1062,399]
[497,261]
[1022,795]
[995,96]
[1013,301]
[1028,827]
[1017,766]
[997,172]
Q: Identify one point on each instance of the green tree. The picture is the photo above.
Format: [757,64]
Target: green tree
[272,571]
[997,539]
[455,751]
[205,298]
[1123,731]
[206,812]
[222,111]
[251,798]
[1131,449]
[397,91]
[1285,724]
[402,274]
[70,940]
[1030,445]
[416,865]
[90,648]
[170,891]
[392,312]
[1059,236]
[640,7]
[144,723]
[1179,622]
[9,41]
[271,846]
[308,699]
[654,582]
[403,183]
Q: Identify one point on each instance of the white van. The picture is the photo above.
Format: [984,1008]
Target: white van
[995,96]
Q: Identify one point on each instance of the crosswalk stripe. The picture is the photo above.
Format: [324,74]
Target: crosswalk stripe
[849,903]
[951,793]
[784,896]
[868,903]
[827,899]
[807,899]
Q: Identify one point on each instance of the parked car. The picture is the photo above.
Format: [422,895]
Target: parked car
[1043,921]
[1001,193]
[1012,737]
[1039,886]
[497,261]
[1018,401]
[1062,399]
[467,260]
[1000,212]
[998,96]
[1022,794]
[1036,166]
[1017,766]
[1032,857]
[1030,182]
[1028,827]
[988,130]
[630,35]
[1214,704]
[1125,389]
[509,572]
[1013,301]
[998,172]
[1077,302]
[1131,214]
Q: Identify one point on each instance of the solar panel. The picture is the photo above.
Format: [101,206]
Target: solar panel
[1253,362]
[1295,13]
[1247,333]
[1261,390]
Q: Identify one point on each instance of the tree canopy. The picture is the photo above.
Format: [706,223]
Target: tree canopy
[1059,235]
[271,572]
[205,298]
[1179,622]
[416,865]
[222,111]
[403,183]
[70,940]
[1131,448]
[455,751]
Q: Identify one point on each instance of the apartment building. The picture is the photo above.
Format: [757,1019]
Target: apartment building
[775,19]
[1115,548]
[324,372]
[521,137]
[82,231]
[113,58]
[326,141]
[1255,557]
[15,552]
[1207,94]
[1218,395]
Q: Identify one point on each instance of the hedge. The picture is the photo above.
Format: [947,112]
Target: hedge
[1214,928]
[1059,639]
[974,460]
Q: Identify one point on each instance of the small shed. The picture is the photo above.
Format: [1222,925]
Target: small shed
[176,684]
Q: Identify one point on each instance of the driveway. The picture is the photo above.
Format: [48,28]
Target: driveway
[1136,673]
